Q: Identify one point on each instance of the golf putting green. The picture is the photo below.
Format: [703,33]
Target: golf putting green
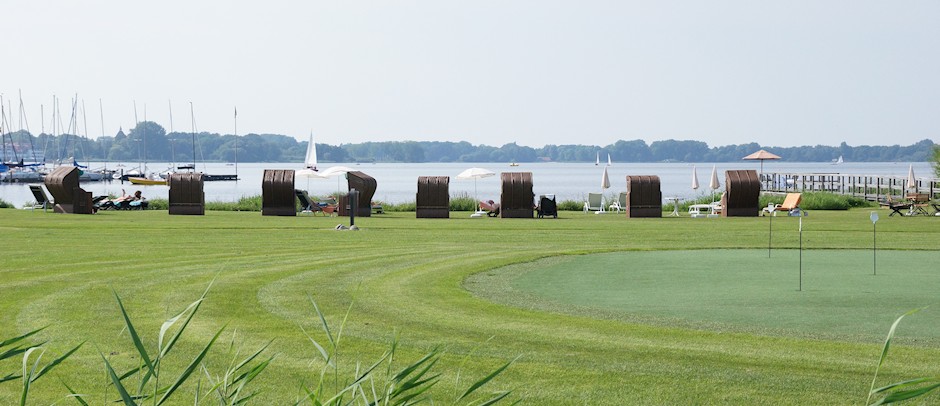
[739,290]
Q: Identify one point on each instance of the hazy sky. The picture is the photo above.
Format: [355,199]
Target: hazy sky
[489,72]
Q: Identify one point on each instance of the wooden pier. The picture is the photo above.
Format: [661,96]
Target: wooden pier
[870,187]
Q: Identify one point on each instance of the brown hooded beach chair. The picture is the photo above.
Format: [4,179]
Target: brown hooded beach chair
[433,197]
[516,199]
[186,194]
[742,194]
[277,193]
[644,196]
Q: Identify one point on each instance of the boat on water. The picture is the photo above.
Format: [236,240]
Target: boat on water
[609,163]
[597,159]
[146,181]
[838,161]
[514,164]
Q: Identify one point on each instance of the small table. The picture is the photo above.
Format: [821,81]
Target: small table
[675,206]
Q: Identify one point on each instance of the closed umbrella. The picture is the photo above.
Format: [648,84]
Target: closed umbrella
[475,173]
[911,181]
[694,178]
[714,181]
[605,180]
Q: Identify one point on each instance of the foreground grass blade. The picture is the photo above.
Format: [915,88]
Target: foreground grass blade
[16,340]
[134,336]
[189,370]
[884,351]
[56,361]
[486,379]
[78,398]
[126,397]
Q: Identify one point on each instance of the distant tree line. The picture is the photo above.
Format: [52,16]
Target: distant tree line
[149,141]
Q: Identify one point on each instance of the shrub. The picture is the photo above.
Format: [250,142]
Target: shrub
[570,205]
[821,201]
[5,205]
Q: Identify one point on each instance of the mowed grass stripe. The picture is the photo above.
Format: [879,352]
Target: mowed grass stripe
[412,280]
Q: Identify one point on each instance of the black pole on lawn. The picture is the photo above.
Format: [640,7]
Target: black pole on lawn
[770,233]
[801,253]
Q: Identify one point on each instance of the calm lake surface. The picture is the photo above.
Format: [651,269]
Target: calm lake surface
[397,182]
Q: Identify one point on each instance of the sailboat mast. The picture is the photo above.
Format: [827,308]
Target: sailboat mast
[192,119]
[236,143]
[101,112]
[169,104]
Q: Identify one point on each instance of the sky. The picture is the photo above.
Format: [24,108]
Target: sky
[781,73]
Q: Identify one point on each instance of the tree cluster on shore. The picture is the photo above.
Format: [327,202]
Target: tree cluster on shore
[149,141]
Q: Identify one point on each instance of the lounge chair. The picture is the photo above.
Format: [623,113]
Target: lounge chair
[594,202]
[791,205]
[897,207]
[42,199]
[491,208]
[307,205]
[547,206]
[620,204]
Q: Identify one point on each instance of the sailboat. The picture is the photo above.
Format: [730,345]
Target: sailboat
[837,161]
[608,160]
[597,159]
[310,162]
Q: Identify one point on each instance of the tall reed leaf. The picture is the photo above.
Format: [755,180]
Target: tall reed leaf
[134,336]
[486,379]
[189,369]
[900,395]
[125,396]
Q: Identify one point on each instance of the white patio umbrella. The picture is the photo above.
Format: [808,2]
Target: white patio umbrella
[475,173]
[605,180]
[694,178]
[326,173]
[714,180]
[911,180]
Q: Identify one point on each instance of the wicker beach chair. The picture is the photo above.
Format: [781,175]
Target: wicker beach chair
[742,194]
[516,198]
[433,197]
[644,196]
[186,194]
[277,193]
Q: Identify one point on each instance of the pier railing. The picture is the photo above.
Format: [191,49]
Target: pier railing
[871,187]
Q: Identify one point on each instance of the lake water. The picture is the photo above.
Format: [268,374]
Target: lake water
[397,182]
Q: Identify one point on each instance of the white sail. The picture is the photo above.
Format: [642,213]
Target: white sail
[311,160]
[608,160]
[597,160]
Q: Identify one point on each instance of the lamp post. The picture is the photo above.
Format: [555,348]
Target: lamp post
[874,246]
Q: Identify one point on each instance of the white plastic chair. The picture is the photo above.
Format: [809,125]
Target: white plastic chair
[595,202]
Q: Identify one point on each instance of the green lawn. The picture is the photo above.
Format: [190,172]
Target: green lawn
[415,278]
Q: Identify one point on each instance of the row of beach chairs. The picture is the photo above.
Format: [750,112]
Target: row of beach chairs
[279,196]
